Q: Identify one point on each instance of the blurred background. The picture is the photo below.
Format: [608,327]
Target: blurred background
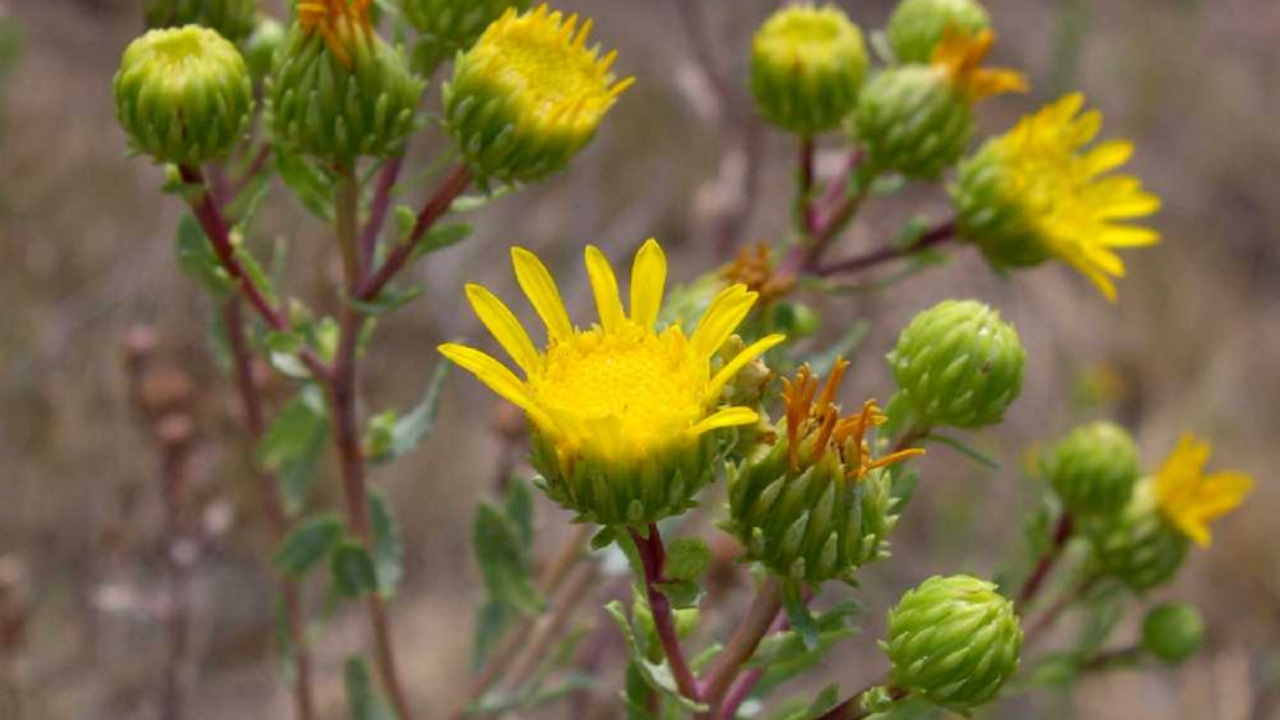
[87,257]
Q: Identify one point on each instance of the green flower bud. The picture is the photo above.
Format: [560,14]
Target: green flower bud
[232,19]
[958,364]
[1093,469]
[528,95]
[1139,547]
[635,493]
[261,47]
[183,95]
[448,26]
[912,121]
[954,641]
[1173,632]
[991,216]
[339,92]
[807,64]
[916,26]
[815,506]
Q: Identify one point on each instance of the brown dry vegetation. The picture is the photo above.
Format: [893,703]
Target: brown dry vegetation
[85,247]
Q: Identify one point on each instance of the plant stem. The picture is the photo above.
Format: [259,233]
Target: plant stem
[1046,620]
[206,212]
[180,560]
[346,433]
[454,185]
[273,506]
[760,617]
[940,234]
[1035,581]
[653,557]
[566,559]
[742,687]
[851,709]
[1111,659]
[378,209]
[806,216]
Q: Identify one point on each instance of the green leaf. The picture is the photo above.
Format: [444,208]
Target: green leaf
[964,449]
[473,202]
[784,656]
[657,675]
[797,608]
[379,436]
[520,509]
[244,208]
[504,561]
[405,219]
[197,259]
[413,429]
[363,701]
[683,594]
[388,548]
[441,237]
[416,427]
[603,538]
[293,446]
[492,620]
[309,543]
[387,301]
[687,558]
[353,571]
[308,183]
[255,273]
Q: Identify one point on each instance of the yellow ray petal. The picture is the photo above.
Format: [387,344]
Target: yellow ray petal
[541,289]
[500,321]
[726,312]
[604,284]
[739,361]
[496,376]
[728,417]
[648,279]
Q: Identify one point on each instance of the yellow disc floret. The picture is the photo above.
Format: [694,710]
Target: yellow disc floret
[529,94]
[1036,193]
[1189,498]
[621,403]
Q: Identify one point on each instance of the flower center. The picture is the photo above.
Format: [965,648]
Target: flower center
[627,385]
[544,59]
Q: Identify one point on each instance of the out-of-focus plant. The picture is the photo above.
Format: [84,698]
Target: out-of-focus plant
[636,416]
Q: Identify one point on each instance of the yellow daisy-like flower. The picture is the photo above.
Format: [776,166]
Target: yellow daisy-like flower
[1189,498]
[622,411]
[962,53]
[1035,193]
[336,19]
[530,93]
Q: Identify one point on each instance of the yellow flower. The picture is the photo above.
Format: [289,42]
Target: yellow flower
[529,94]
[621,398]
[1189,498]
[962,53]
[1065,203]
[335,19]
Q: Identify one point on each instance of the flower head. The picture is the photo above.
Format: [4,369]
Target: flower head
[530,93]
[336,21]
[961,53]
[1035,193]
[807,64]
[184,95]
[1189,498]
[815,427]
[620,395]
